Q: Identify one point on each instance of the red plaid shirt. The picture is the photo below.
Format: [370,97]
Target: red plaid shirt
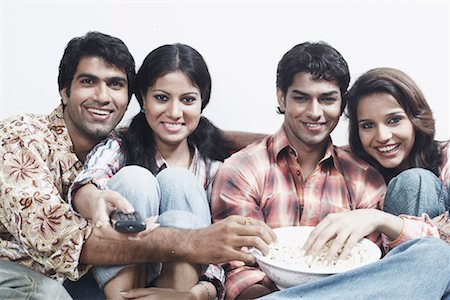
[264,181]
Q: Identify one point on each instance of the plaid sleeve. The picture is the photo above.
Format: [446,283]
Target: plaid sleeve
[101,164]
[235,192]
[240,277]
[418,227]
[216,275]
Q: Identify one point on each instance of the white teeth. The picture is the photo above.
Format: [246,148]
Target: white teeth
[173,125]
[313,125]
[388,148]
[98,111]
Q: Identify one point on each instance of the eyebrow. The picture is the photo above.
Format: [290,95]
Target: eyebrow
[94,77]
[331,93]
[387,115]
[184,94]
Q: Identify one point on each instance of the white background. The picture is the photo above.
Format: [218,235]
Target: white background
[242,42]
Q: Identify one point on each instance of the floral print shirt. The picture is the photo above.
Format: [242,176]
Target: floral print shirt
[38,229]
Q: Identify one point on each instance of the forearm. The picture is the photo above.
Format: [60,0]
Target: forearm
[241,139]
[162,245]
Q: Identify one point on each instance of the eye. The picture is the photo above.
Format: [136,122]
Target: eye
[300,98]
[86,81]
[161,98]
[116,85]
[394,120]
[188,100]
[329,100]
[366,125]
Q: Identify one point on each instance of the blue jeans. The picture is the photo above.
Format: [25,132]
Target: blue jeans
[416,270]
[414,192]
[174,194]
[19,282]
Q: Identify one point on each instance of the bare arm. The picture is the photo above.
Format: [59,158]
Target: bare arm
[241,139]
[220,242]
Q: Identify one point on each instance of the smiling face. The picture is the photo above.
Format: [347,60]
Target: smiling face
[385,131]
[311,111]
[172,109]
[96,102]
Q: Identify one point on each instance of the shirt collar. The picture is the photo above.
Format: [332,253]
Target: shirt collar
[281,144]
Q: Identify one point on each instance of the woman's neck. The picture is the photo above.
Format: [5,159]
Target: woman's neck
[177,155]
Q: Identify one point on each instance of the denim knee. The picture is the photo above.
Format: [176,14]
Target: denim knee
[19,282]
[416,191]
[140,187]
[182,191]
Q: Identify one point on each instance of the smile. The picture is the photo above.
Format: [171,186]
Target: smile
[97,111]
[313,126]
[173,126]
[388,149]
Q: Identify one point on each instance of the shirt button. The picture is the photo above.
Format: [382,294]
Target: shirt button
[298,173]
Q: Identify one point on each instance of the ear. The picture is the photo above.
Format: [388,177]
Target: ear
[64,96]
[281,100]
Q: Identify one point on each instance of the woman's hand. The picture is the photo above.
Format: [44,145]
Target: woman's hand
[347,228]
[157,294]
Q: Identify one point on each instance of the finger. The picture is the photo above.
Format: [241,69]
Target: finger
[325,235]
[336,245]
[117,201]
[269,235]
[252,227]
[134,293]
[252,241]
[243,256]
[149,229]
[349,245]
[315,234]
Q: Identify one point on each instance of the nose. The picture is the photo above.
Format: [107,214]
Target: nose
[173,109]
[102,93]
[313,110]
[384,134]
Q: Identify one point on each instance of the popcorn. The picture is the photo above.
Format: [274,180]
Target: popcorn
[292,253]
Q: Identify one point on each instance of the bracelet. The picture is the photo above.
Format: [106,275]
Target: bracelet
[202,283]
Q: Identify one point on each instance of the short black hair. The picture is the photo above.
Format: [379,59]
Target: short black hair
[317,58]
[96,44]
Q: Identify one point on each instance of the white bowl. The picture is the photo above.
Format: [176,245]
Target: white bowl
[287,275]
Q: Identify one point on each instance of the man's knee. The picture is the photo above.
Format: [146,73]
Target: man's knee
[18,282]
[430,251]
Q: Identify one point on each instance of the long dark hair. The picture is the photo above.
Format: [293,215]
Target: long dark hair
[138,144]
[426,152]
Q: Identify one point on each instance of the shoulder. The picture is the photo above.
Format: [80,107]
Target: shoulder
[24,123]
[112,144]
[257,151]
[348,160]
[354,168]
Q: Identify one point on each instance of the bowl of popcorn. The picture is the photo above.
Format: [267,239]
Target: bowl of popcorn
[287,265]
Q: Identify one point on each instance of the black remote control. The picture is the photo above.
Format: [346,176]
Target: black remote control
[127,222]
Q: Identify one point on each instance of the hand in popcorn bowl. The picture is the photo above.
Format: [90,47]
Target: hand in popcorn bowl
[287,265]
